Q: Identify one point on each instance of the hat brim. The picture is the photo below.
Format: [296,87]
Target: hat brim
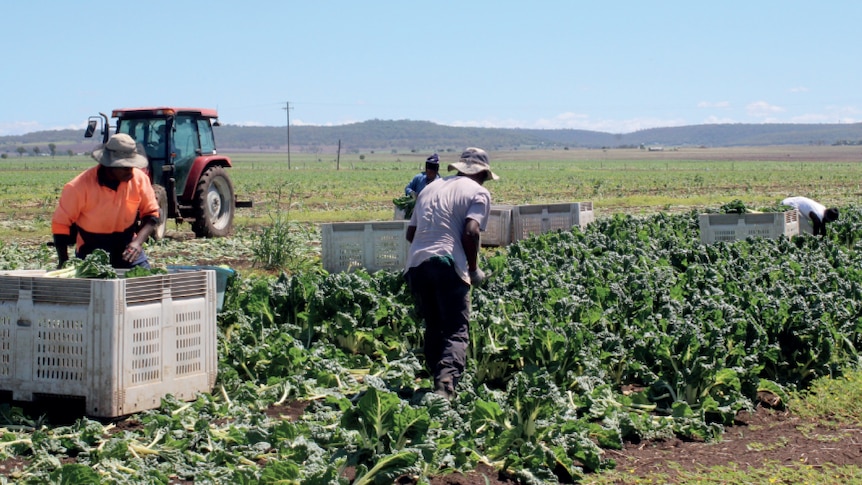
[106,158]
[471,169]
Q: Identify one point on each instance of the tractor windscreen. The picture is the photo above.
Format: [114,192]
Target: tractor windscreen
[151,134]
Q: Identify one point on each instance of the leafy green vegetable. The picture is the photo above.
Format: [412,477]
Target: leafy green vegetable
[405,203]
[139,271]
[96,265]
[584,339]
[735,206]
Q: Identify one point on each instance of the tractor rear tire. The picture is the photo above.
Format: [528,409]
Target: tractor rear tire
[162,199]
[214,204]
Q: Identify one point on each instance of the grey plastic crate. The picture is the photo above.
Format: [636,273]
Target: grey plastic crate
[734,227]
[498,229]
[121,344]
[541,218]
[347,246]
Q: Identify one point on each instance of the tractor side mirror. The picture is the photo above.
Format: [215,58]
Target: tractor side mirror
[91,128]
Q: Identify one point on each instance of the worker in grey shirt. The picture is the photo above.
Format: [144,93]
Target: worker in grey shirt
[442,262]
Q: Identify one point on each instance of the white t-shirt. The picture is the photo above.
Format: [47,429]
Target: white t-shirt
[441,211]
[806,206]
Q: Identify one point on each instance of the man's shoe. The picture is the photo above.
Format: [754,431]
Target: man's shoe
[445,389]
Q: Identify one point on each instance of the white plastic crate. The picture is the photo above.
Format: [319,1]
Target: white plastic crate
[222,277]
[733,227]
[121,344]
[498,229]
[542,218]
[347,246]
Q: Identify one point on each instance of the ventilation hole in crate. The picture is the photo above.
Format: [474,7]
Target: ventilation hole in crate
[146,350]
[145,375]
[350,256]
[144,323]
[189,362]
[729,235]
[8,291]
[564,223]
[59,350]
[387,252]
[189,350]
[190,341]
[184,317]
[5,347]
[532,228]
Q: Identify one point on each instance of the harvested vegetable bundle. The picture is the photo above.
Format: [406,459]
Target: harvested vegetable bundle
[735,206]
[95,265]
[405,203]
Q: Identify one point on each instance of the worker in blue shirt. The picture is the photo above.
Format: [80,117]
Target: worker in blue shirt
[432,167]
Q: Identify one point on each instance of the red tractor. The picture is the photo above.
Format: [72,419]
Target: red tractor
[188,175]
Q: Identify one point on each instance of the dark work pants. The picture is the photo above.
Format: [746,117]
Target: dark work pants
[114,244]
[443,301]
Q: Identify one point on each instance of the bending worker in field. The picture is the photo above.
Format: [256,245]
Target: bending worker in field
[814,211]
[432,168]
[105,203]
[442,263]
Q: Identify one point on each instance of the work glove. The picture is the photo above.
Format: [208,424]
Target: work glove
[477,276]
[61,244]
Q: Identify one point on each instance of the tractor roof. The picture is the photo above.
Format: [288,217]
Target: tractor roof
[163,111]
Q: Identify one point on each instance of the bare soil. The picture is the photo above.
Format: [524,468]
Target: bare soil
[764,436]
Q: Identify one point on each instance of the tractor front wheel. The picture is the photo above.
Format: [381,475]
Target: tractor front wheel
[214,204]
[162,199]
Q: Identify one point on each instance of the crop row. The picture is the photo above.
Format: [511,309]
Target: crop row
[580,340]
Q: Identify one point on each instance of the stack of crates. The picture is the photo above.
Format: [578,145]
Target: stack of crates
[374,246]
[541,218]
[120,344]
[734,227]
[383,245]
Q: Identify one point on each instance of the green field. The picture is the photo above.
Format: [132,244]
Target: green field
[323,188]
[629,330]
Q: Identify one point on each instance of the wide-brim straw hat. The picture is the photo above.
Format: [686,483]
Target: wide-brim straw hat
[473,161]
[120,151]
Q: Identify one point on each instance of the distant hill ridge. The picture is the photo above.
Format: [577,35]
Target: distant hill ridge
[425,136]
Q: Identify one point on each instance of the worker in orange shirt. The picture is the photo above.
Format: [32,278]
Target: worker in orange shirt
[112,205]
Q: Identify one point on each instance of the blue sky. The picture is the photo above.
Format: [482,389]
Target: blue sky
[608,66]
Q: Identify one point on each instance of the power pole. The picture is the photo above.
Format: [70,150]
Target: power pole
[287,109]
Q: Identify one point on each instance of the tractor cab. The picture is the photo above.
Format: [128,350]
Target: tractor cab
[186,171]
